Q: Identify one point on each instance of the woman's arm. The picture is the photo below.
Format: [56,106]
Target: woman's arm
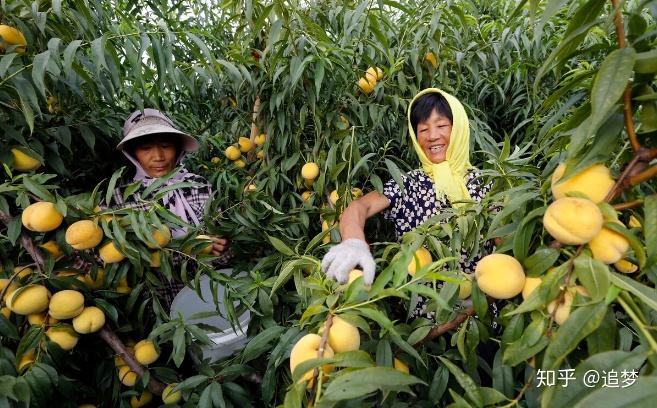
[352,221]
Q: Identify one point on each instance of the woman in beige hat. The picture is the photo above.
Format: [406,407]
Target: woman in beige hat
[156,148]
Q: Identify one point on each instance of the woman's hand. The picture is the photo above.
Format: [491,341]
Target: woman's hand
[219,245]
[344,257]
[353,251]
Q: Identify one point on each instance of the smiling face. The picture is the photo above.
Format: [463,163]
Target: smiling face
[433,136]
[157,156]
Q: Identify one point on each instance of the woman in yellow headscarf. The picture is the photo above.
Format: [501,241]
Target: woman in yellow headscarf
[440,133]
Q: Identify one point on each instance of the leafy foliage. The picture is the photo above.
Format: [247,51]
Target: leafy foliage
[542,83]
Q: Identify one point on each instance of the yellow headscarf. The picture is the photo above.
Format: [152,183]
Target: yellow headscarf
[449,175]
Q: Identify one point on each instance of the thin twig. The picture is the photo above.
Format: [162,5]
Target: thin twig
[628,205]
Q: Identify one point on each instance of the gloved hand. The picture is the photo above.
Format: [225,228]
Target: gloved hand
[343,258]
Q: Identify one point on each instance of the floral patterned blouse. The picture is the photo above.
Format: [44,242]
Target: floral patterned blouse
[418,203]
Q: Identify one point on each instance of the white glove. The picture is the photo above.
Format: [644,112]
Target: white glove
[343,258]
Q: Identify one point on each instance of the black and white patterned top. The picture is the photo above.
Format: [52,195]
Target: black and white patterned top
[197,196]
[418,203]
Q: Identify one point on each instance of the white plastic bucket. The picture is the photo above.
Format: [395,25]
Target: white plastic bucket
[226,342]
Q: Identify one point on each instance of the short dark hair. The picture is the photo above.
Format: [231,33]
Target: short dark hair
[425,105]
[131,145]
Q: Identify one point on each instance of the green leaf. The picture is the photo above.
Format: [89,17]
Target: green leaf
[645,293]
[540,261]
[438,384]
[179,345]
[357,383]
[69,54]
[112,184]
[232,70]
[593,274]
[312,310]
[205,400]
[28,100]
[429,293]
[294,396]
[601,147]
[38,190]
[192,382]
[5,63]
[280,246]
[610,83]
[582,322]
[465,381]
[217,395]
[513,206]
[580,23]
[8,329]
[294,77]
[260,343]
[39,70]
[518,351]
[396,174]
[286,271]
[542,293]
[14,229]
[98,50]
[491,396]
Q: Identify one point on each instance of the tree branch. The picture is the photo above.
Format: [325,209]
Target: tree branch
[439,330]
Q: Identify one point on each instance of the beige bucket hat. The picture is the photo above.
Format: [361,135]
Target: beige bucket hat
[151,122]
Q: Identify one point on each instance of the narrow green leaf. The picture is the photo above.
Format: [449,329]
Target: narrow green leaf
[280,246]
[594,275]
[5,63]
[112,184]
[357,383]
[396,174]
[610,82]
[582,322]
[14,229]
[39,70]
[645,293]
[465,381]
[259,344]
[38,190]
[286,273]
